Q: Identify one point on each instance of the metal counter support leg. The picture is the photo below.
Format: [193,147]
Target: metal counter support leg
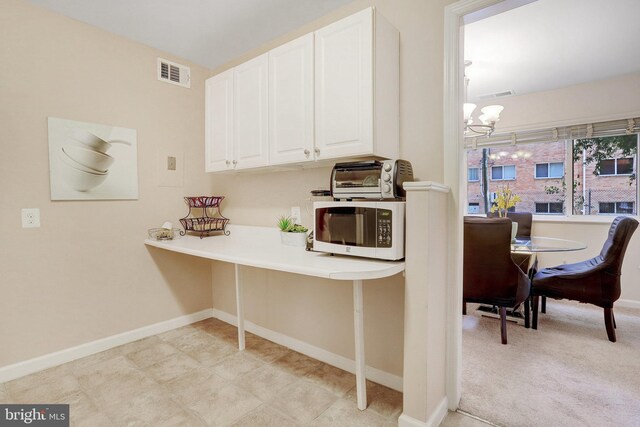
[239,307]
[358,322]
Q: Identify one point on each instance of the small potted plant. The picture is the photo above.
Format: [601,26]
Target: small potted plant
[292,234]
[505,199]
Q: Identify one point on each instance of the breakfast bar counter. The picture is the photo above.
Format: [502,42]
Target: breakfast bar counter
[261,247]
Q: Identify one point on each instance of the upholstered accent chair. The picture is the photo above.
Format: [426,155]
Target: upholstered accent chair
[490,276]
[594,281]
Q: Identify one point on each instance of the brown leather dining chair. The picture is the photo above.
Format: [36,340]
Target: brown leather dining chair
[594,281]
[489,274]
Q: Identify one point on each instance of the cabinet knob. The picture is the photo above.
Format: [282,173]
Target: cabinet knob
[307,152]
[235,162]
[317,151]
[227,162]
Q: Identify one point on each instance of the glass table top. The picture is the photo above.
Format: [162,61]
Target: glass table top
[546,244]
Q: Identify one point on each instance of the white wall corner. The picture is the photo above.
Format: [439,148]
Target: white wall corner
[453,175]
[434,420]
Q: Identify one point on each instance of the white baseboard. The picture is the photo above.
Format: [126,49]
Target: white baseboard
[407,421]
[627,303]
[17,370]
[386,379]
[434,420]
[439,414]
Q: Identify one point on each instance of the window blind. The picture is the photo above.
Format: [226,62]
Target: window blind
[589,130]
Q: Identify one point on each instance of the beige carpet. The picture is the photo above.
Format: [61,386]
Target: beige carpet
[566,373]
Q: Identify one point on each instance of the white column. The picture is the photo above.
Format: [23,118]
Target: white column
[358,324]
[427,286]
[239,307]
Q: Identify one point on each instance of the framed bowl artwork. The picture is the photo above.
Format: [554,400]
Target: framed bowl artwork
[90,161]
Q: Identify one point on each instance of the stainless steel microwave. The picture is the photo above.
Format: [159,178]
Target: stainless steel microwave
[366,229]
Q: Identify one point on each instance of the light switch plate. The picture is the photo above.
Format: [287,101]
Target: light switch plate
[171,163]
[170,167]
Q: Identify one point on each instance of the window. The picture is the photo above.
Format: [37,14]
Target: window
[597,163]
[550,170]
[616,208]
[500,173]
[590,176]
[515,167]
[473,208]
[472,174]
[622,166]
[549,207]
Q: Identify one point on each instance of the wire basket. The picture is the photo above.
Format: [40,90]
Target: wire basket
[209,221]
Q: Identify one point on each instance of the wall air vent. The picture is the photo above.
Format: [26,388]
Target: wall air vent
[497,95]
[176,74]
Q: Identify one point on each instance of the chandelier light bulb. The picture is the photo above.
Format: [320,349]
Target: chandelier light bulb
[468,109]
[491,113]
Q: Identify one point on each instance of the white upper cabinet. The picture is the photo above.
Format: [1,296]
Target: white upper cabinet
[291,102]
[327,95]
[251,141]
[357,88]
[219,122]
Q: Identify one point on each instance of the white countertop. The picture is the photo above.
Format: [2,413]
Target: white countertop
[261,247]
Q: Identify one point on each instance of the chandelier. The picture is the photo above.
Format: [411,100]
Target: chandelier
[490,114]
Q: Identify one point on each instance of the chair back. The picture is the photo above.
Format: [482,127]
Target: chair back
[615,246]
[489,274]
[524,220]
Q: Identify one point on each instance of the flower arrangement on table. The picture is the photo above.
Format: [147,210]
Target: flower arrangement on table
[505,199]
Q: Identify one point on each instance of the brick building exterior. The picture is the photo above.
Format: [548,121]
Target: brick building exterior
[536,172]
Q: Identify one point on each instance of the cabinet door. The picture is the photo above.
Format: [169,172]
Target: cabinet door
[251,141]
[219,122]
[344,87]
[291,102]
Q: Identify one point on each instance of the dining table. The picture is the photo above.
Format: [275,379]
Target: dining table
[532,246]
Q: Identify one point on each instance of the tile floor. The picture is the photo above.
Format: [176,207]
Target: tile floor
[195,376]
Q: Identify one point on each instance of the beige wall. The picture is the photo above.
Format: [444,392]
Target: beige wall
[85,274]
[596,101]
[325,316]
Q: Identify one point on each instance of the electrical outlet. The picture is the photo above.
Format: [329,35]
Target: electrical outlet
[171,163]
[295,214]
[30,218]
